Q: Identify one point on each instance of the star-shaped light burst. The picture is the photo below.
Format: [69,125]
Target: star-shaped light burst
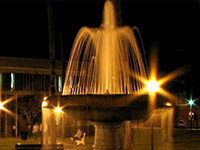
[3,103]
[191,102]
[57,108]
[153,85]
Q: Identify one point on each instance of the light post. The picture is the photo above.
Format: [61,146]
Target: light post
[152,87]
[191,113]
[1,105]
[191,103]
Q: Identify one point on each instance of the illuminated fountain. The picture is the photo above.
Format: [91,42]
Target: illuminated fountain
[103,59]
[100,84]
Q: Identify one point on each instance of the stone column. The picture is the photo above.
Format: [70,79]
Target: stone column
[45,125]
[167,125]
[106,136]
[48,129]
[128,135]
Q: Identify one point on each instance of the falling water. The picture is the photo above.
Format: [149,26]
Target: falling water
[103,59]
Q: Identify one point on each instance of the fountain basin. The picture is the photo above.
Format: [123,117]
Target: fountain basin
[107,112]
[107,108]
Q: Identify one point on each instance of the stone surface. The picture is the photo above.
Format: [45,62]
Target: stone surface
[106,136]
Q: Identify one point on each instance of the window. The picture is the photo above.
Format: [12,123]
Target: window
[59,84]
[12,83]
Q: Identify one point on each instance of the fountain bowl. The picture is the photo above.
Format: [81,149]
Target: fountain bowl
[107,108]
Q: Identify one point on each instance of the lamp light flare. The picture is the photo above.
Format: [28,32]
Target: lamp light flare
[191,102]
[44,103]
[58,109]
[45,98]
[1,105]
[168,104]
[152,86]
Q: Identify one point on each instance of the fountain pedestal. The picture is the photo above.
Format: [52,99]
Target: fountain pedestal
[106,136]
[48,129]
[107,112]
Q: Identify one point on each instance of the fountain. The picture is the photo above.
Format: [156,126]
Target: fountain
[100,84]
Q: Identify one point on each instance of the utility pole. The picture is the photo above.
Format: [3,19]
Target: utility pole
[63,60]
[51,49]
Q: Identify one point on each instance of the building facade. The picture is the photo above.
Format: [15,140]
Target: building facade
[20,77]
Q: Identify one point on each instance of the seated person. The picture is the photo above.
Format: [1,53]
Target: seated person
[77,136]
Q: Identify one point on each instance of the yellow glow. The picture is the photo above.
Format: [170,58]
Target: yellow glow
[152,86]
[58,109]
[1,105]
[9,112]
[171,76]
[168,104]
[44,103]
[4,108]
[45,98]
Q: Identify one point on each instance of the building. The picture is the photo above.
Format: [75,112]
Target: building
[24,76]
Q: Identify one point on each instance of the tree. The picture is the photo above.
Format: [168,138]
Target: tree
[30,109]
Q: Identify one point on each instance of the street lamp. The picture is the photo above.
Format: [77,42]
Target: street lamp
[152,86]
[45,102]
[1,105]
[58,109]
[191,102]
[191,115]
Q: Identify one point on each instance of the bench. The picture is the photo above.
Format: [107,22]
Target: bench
[20,146]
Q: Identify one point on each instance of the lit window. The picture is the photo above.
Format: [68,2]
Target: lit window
[59,84]
[12,83]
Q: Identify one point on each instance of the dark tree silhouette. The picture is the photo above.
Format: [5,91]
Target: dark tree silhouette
[29,110]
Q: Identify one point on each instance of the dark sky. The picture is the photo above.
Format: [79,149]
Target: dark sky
[172,24]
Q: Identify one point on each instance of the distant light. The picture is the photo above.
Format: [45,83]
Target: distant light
[168,104]
[45,98]
[58,109]
[152,86]
[1,105]
[44,103]
[191,102]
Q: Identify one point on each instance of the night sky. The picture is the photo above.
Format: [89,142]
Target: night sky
[173,25]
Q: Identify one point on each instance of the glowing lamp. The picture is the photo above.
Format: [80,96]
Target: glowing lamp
[1,105]
[58,109]
[44,103]
[168,104]
[152,86]
[45,98]
[191,102]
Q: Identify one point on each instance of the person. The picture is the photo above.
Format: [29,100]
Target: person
[36,129]
[77,136]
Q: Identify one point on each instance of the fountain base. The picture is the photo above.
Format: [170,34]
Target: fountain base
[107,112]
[106,136]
